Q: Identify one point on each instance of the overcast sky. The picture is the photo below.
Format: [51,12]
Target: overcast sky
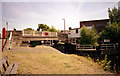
[21,15]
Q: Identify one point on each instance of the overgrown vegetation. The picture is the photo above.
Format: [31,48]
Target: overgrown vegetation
[104,62]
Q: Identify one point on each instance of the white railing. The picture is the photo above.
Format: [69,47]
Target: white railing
[38,33]
[103,46]
[78,46]
[109,46]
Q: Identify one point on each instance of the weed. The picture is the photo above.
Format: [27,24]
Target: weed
[104,63]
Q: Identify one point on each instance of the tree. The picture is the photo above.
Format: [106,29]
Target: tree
[52,29]
[112,31]
[114,15]
[44,27]
[88,36]
[28,29]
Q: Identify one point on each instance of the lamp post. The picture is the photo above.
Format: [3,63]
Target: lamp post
[7,28]
[64,25]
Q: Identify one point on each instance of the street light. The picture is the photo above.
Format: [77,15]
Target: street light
[64,25]
[7,28]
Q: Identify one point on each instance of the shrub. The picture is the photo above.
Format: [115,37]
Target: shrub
[88,36]
[104,63]
[60,43]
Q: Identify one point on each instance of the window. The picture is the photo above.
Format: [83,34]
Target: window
[76,30]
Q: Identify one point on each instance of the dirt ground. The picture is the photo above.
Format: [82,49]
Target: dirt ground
[47,60]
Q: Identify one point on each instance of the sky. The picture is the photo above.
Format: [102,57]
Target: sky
[28,14]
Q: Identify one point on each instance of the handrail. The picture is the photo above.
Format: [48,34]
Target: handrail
[103,46]
[38,33]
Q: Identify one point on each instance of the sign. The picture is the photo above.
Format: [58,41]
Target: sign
[106,40]
[46,33]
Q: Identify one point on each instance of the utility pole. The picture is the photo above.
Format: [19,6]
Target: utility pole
[64,25]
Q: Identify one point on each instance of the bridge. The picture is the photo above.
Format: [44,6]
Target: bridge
[38,36]
[43,37]
[22,38]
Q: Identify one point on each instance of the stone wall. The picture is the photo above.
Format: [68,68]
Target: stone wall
[63,36]
[16,37]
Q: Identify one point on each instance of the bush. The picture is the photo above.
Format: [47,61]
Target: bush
[60,43]
[34,43]
[88,36]
[104,63]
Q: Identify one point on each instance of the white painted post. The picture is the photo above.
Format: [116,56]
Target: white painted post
[23,32]
[114,46]
[32,33]
[106,46]
[50,42]
[56,33]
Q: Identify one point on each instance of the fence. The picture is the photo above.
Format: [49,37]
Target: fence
[81,47]
[109,46]
[103,46]
[38,33]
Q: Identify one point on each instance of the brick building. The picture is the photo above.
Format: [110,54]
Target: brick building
[99,24]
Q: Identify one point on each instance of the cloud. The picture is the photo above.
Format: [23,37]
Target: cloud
[30,14]
[60,0]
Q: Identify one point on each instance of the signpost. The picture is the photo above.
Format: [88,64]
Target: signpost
[3,36]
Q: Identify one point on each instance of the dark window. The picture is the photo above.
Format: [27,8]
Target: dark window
[76,30]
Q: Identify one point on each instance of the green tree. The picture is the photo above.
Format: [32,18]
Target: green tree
[28,29]
[52,29]
[88,36]
[114,15]
[44,27]
[112,31]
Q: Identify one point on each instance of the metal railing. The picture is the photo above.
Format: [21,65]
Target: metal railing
[109,46]
[103,46]
[38,33]
[78,46]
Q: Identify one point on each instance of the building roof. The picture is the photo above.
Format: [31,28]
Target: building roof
[95,20]
[74,28]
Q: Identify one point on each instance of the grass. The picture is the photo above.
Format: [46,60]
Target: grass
[42,60]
